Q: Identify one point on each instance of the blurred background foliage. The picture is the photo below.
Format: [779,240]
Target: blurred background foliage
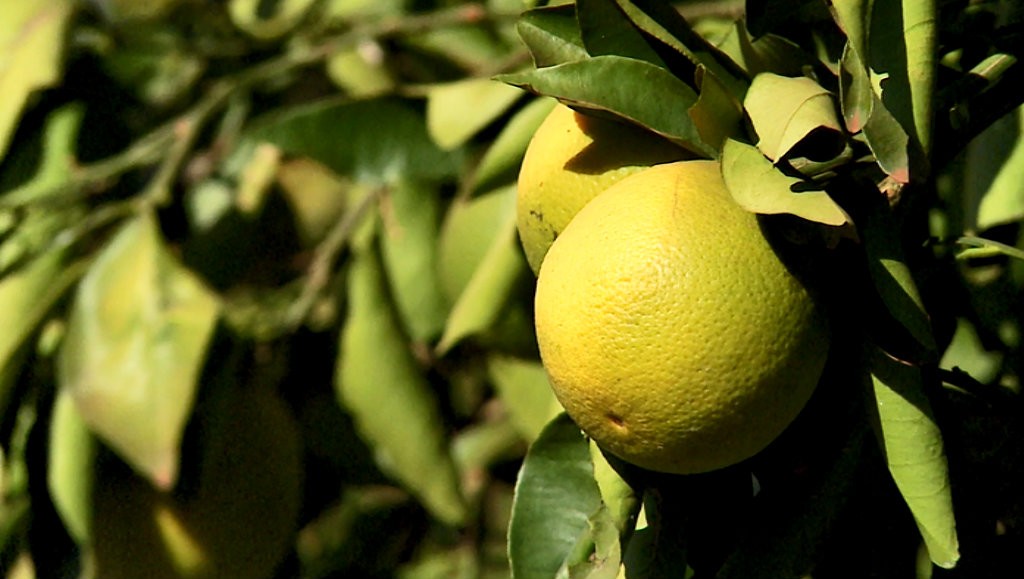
[265,313]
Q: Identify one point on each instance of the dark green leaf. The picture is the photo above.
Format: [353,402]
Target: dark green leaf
[555,498]
[757,185]
[855,93]
[717,114]
[913,447]
[373,140]
[635,90]
[552,35]
[606,30]
[663,22]
[888,141]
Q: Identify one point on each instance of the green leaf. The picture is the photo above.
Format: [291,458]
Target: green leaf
[71,466]
[765,53]
[757,185]
[981,247]
[995,170]
[31,56]
[856,96]
[410,214]
[717,114]
[505,154]
[664,23]
[912,443]
[635,90]
[379,382]
[967,353]
[896,42]
[606,30]
[894,280]
[460,109]
[251,16]
[784,110]
[470,228]
[552,35]
[375,141]
[555,498]
[622,501]
[524,390]
[598,552]
[481,303]
[135,346]
[59,138]
[888,140]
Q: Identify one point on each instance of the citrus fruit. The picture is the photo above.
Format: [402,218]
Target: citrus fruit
[672,332]
[570,159]
[236,519]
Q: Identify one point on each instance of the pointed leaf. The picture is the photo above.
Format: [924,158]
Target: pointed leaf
[635,90]
[69,476]
[757,185]
[995,170]
[894,280]
[410,215]
[662,21]
[605,29]
[912,442]
[888,140]
[855,93]
[555,497]
[458,110]
[717,114]
[370,140]
[505,154]
[136,342]
[784,110]
[552,35]
[525,392]
[470,228]
[487,292]
[31,52]
[380,384]
[623,502]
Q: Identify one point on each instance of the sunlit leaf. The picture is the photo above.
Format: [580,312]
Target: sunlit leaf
[59,138]
[469,229]
[621,499]
[375,141]
[552,35]
[555,497]
[757,185]
[379,382]
[635,90]
[69,476]
[981,247]
[913,447]
[31,53]
[504,155]
[967,353]
[135,346]
[784,110]
[994,168]
[493,282]
[458,110]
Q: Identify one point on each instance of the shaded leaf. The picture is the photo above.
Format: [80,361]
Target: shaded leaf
[623,502]
[995,170]
[784,110]
[552,35]
[458,110]
[59,138]
[31,53]
[894,280]
[856,96]
[717,114]
[69,475]
[598,552]
[765,53]
[410,215]
[555,497]
[967,353]
[661,21]
[522,386]
[505,154]
[380,384]
[912,443]
[888,141]
[981,247]
[635,90]
[605,30]
[757,185]
[136,342]
[375,141]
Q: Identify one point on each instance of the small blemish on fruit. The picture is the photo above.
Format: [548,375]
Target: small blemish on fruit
[616,420]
